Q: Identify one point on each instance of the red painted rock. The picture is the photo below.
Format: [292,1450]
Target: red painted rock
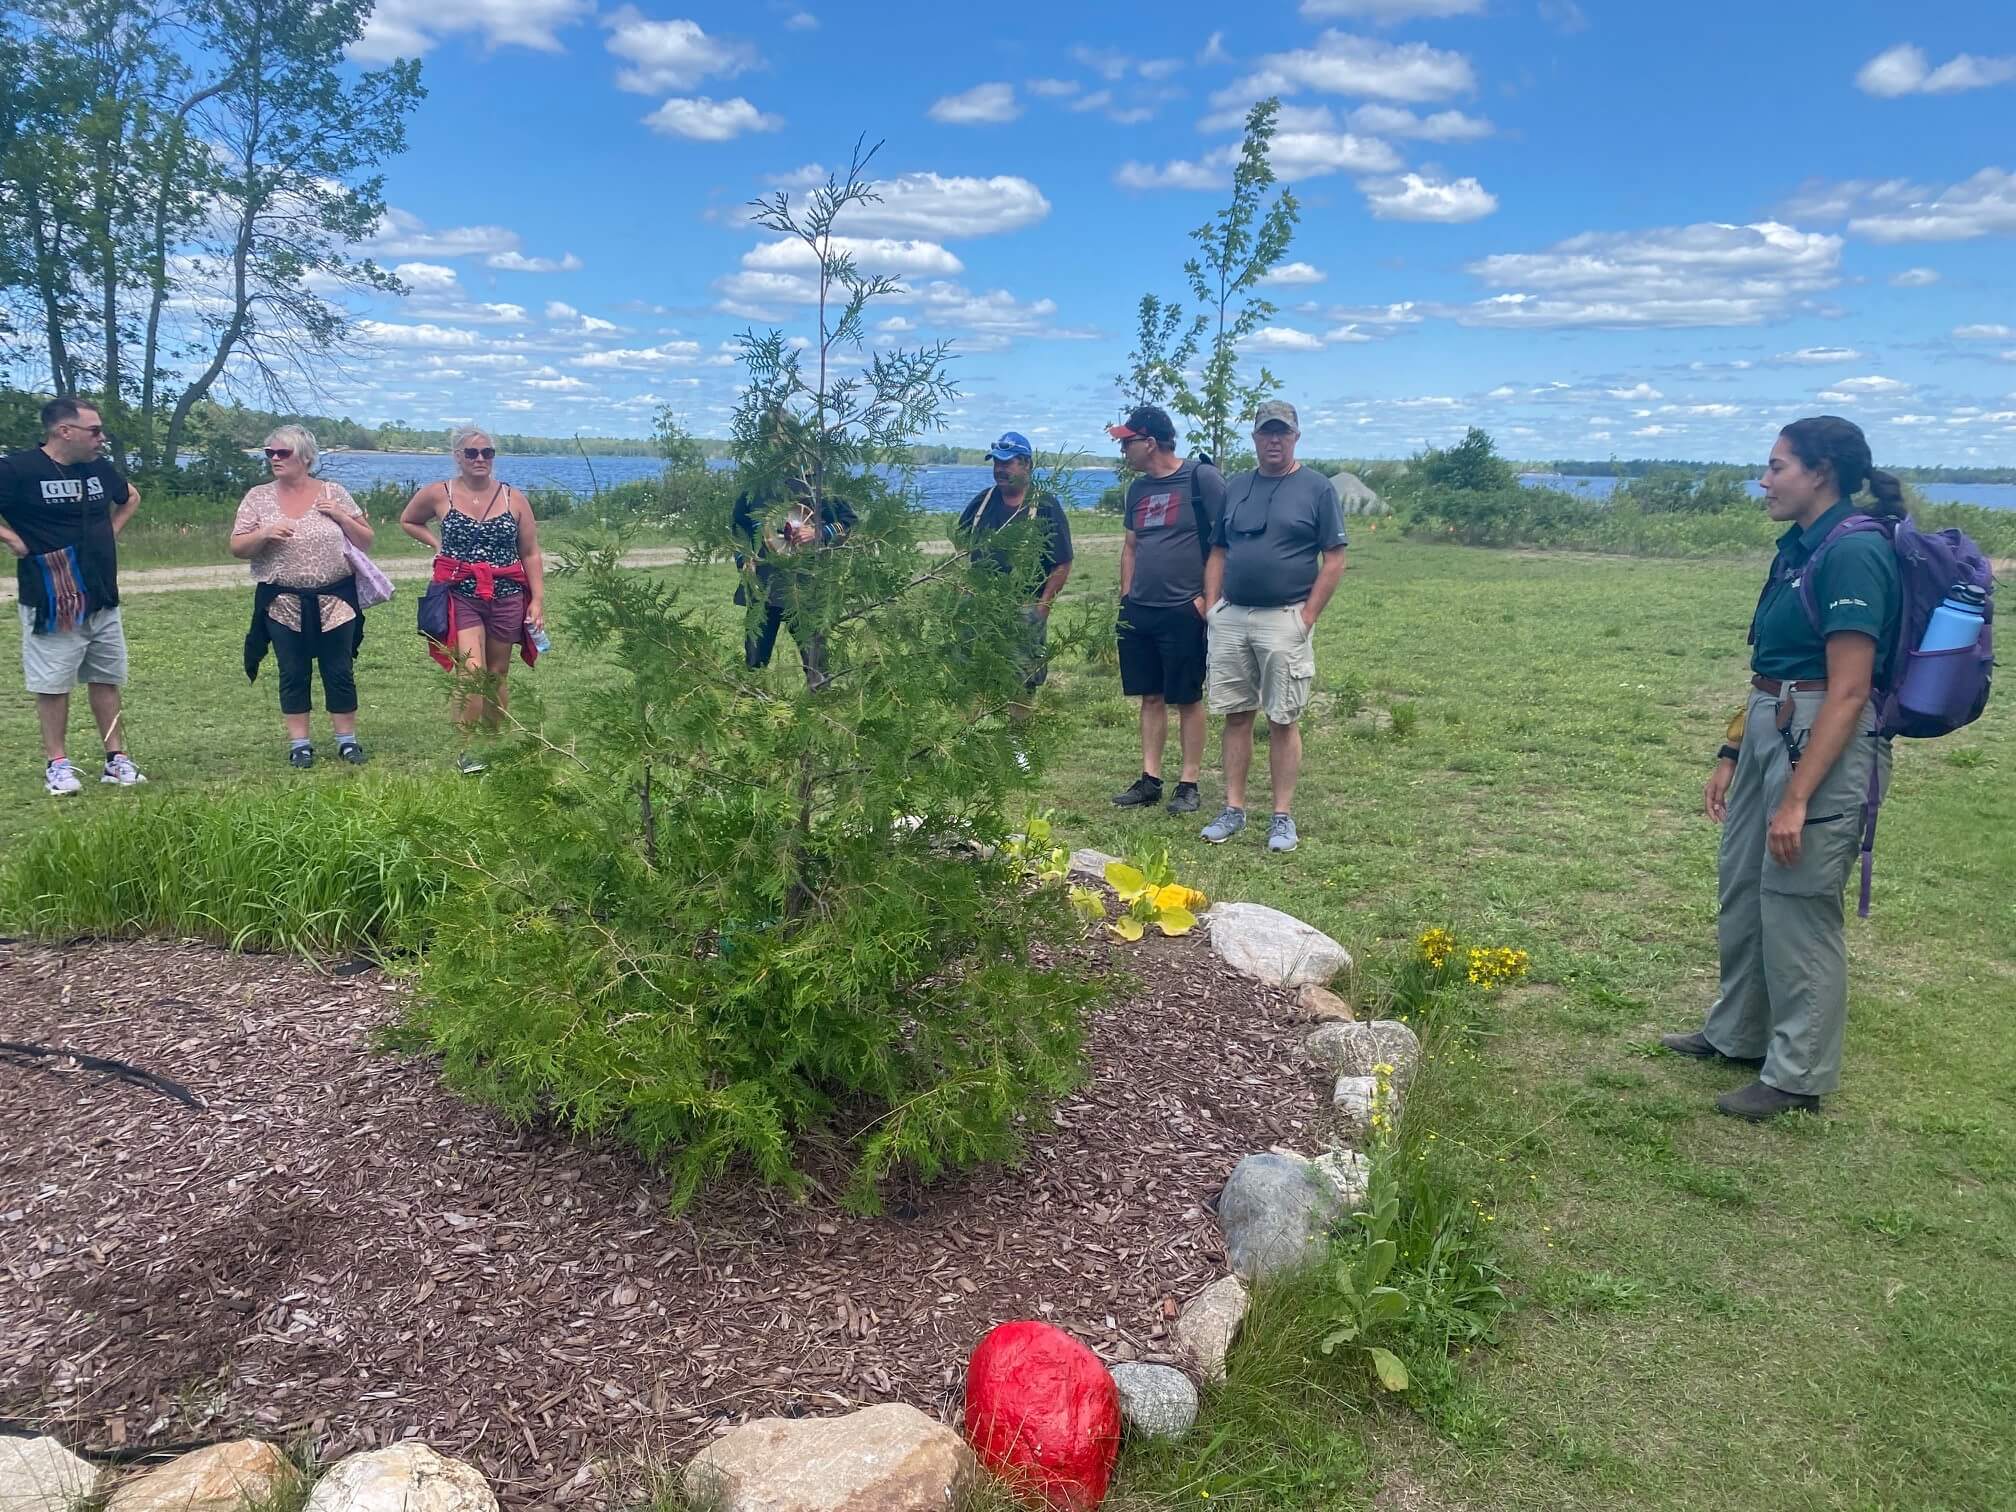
[1043,1414]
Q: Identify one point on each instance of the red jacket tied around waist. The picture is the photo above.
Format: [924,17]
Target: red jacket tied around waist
[448,571]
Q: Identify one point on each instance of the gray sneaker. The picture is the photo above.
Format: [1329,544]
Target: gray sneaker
[1225,826]
[1281,834]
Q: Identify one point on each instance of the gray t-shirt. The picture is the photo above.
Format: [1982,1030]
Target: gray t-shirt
[1273,531]
[1162,518]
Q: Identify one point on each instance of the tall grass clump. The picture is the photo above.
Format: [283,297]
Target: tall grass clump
[313,870]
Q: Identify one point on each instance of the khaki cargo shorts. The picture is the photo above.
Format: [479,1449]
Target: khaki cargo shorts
[1261,659]
[95,652]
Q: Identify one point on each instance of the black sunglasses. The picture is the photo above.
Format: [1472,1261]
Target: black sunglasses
[279,453]
[473,452]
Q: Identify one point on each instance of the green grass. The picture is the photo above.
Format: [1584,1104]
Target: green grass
[1813,1315]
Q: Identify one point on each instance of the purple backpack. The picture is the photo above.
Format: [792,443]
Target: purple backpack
[1946,689]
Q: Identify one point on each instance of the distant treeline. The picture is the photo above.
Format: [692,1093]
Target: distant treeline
[1614,467]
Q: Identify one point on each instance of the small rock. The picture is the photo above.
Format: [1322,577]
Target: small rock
[1349,1175]
[406,1477]
[1277,1215]
[1091,864]
[1353,1100]
[1277,948]
[40,1475]
[1355,1049]
[886,1458]
[1210,1322]
[220,1478]
[1156,1401]
[1322,1005]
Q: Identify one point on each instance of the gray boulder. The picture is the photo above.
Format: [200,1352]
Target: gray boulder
[1357,1049]
[1156,1401]
[1356,497]
[1209,1323]
[1277,948]
[1276,1212]
[40,1475]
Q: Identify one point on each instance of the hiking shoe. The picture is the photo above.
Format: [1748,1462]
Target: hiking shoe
[301,756]
[1757,1102]
[1145,793]
[1225,826]
[1186,800]
[60,779]
[120,769]
[468,765]
[1697,1046]
[1281,834]
[352,751]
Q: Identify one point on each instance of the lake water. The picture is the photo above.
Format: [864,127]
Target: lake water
[945,488]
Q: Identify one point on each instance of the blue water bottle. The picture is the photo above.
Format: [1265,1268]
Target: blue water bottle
[1957,622]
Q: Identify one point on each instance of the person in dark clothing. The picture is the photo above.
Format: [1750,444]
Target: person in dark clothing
[1172,508]
[767,546]
[993,510]
[64,507]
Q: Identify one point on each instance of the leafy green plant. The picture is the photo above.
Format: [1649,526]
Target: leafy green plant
[1365,1306]
[1151,895]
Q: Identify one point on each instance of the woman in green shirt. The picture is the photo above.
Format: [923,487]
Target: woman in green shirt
[1789,793]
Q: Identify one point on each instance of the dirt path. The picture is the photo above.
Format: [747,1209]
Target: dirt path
[401,568]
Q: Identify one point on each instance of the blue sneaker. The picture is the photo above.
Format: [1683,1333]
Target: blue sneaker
[1281,834]
[1225,826]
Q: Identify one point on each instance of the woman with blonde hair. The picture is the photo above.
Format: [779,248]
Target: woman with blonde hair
[489,579]
[294,530]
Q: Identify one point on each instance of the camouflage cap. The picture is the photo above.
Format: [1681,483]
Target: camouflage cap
[1276,409]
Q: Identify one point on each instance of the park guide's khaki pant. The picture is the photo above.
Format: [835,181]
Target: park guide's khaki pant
[1784,953]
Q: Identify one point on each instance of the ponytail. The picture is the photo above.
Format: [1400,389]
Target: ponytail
[1841,445]
[1887,492]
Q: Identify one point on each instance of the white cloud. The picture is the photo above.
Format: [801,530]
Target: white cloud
[895,325]
[518,262]
[1133,115]
[801,21]
[592,325]
[1113,65]
[558,309]
[873,254]
[1281,339]
[1179,174]
[700,119]
[1346,335]
[1654,430]
[1985,332]
[1295,273]
[1699,275]
[1831,355]
[1312,154]
[1214,49]
[1915,278]
[516,406]
[982,105]
[1412,197]
[389,334]
[1442,126]
[1403,313]
[749,290]
[1099,99]
[1874,384]
[939,207]
[1904,69]
[641,359]
[399,233]
[1053,89]
[427,278]
[557,385]
[671,55]
[410,28]
[1636,391]
[1390,12]
[1983,205]
[994,313]
[1341,63]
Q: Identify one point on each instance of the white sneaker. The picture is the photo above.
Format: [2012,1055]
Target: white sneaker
[120,769]
[60,779]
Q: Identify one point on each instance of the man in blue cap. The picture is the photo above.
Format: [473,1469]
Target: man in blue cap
[994,509]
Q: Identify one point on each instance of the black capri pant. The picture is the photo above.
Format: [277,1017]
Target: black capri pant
[335,650]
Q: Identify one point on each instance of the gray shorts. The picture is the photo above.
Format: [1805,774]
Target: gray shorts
[95,652]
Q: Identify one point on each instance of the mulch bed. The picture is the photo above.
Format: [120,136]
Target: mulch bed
[339,1249]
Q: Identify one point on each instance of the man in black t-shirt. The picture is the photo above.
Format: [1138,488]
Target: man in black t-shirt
[1172,508]
[1008,502]
[63,508]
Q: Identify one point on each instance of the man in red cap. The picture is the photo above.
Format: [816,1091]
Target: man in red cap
[1172,507]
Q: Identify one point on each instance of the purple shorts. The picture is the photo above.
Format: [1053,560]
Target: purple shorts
[502,617]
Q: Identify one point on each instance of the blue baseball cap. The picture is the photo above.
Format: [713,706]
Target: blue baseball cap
[1011,444]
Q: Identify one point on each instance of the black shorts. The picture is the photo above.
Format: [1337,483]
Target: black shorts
[1162,652]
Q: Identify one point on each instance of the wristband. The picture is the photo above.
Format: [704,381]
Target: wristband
[1728,753]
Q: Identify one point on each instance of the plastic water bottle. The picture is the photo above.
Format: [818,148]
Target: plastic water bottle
[1957,622]
[539,641]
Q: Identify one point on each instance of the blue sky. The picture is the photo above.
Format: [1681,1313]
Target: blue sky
[1594,227]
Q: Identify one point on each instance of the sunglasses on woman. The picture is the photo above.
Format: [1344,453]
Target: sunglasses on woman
[474,452]
[279,453]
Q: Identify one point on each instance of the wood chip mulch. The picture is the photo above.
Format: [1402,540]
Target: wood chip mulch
[336,1248]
